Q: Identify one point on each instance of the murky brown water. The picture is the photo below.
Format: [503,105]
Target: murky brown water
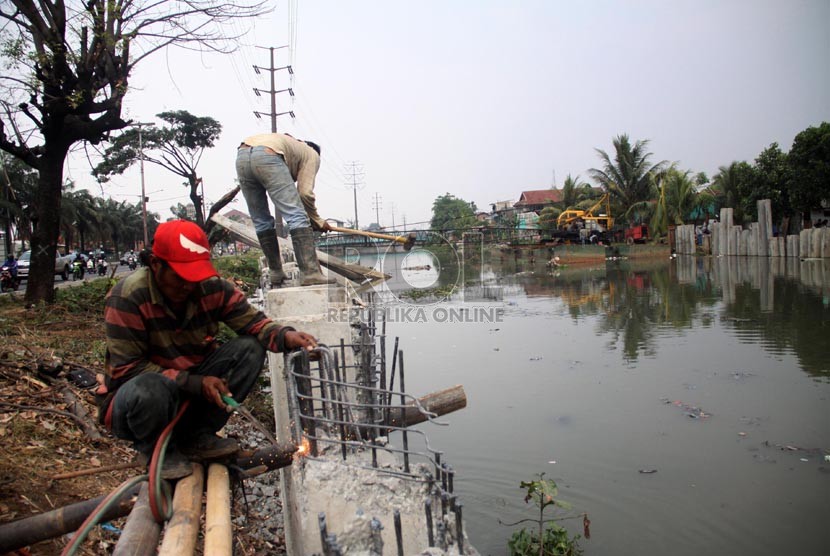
[714,373]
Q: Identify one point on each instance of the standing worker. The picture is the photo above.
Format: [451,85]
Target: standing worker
[267,165]
[161,325]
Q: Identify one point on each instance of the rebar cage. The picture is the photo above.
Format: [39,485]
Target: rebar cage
[337,405]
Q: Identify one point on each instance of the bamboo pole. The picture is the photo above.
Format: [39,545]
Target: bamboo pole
[183,528]
[218,534]
[140,536]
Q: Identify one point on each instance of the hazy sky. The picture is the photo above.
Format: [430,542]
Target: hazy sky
[484,99]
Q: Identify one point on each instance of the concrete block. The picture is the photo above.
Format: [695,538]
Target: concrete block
[714,238]
[732,245]
[743,247]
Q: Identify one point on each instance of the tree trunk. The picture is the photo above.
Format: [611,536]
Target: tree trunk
[46,228]
[197,200]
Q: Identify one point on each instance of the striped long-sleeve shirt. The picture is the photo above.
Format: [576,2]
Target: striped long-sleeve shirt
[144,335]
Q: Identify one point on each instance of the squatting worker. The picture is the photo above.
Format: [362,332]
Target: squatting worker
[161,324]
[267,166]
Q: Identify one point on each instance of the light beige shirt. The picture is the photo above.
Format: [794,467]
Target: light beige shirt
[303,162]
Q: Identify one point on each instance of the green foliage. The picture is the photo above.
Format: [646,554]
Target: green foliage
[771,181]
[547,218]
[809,162]
[452,213]
[555,542]
[240,267]
[733,185]
[574,192]
[549,539]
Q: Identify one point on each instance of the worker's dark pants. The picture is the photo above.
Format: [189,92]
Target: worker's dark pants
[147,403]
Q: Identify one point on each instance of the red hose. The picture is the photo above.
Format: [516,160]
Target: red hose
[160,505]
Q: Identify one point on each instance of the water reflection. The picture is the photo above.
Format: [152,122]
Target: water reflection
[783,304]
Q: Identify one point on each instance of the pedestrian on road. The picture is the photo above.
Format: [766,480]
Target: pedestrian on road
[161,326]
[267,166]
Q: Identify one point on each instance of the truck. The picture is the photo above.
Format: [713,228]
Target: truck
[601,221]
[63,264]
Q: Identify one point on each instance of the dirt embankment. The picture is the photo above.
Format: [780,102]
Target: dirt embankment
[42,437]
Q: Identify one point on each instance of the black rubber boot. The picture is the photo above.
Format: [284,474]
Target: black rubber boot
[306,255]
[271,248]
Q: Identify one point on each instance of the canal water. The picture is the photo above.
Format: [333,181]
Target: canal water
[684,403]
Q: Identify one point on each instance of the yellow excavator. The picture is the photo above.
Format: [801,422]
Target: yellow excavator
[602,221]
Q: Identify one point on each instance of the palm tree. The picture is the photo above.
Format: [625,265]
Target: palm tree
[629,177]
[574,192]
[678,198]
[730,183]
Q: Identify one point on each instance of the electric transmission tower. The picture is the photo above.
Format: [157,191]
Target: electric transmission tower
[377,208]
[354,173]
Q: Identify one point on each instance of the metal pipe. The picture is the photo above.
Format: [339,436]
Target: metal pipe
[404,436]
[324,536]
[459,531]
[396,515]
[428,511]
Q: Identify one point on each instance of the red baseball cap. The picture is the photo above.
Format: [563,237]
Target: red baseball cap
[184,246]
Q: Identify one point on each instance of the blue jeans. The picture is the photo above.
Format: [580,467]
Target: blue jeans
[146,404]
[261,175]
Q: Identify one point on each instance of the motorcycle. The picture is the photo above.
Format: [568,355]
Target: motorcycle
[77,270]
[90,266]
[7,281]
[131,262]
[102,267]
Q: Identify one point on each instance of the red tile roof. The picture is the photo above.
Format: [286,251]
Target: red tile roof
[539,197]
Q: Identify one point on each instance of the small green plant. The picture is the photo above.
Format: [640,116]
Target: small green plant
[549,539]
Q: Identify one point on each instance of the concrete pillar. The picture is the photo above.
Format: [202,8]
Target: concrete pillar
[767,283]
[714,238]
[773,248]
[732,241]
[726,223]
[308,309]
[804,244]
[752,249]
[825,242]
[765,224]
[743,246]
[793,247]
[782,246]
[692,240]
[815,242]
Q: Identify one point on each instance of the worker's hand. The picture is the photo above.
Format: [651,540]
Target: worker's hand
[213,388]
[294,339]
[324,227]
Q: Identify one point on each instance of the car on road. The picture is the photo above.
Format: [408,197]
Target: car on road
[62,265]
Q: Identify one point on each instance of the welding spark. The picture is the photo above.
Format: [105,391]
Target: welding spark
[303,449]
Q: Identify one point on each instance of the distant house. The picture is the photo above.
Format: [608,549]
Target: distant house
[484,217]
[536,199]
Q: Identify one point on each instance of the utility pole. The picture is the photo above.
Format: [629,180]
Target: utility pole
[356,174]
[393,216]
[273,92]
[377,208]
[140,125]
